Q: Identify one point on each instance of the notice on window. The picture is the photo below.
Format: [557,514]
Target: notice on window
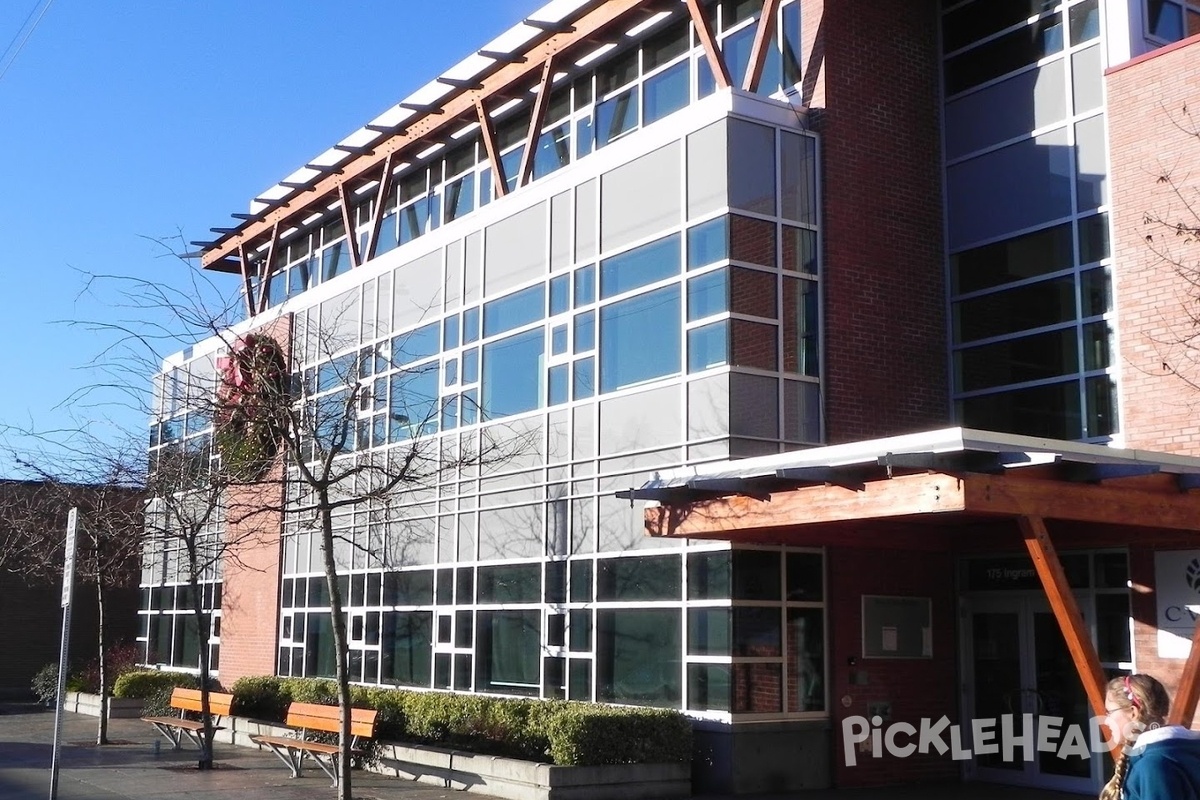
[890,641]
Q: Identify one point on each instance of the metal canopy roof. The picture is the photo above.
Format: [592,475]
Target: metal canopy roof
[950,450]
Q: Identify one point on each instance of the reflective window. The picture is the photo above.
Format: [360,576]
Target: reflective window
[406,648]
[667,91]
[515,310]
[708,295]
[512,374]
[708,243]
[510,583]
[508,650]
[639,578]
[616,116]
[639,339]
[708,346]
[640,266]
[1046,303]
[638,657]
[1004,54]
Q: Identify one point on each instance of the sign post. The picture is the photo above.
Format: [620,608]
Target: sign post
[68,584]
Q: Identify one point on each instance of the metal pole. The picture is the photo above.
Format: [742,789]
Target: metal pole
[68,586]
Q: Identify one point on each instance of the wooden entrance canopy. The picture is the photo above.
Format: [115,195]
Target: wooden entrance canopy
[939,479]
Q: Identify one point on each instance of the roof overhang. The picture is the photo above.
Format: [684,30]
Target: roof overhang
[929,478]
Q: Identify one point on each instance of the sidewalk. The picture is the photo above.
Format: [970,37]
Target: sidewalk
[129,769]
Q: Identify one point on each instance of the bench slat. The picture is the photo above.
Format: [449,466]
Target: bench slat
[325,718]
[189,700]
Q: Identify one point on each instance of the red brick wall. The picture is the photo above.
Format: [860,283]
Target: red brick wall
[916,688]
[872,86]
[250,595]
[1145,101]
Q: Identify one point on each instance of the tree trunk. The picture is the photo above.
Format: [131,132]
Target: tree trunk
[339,645]
[102,725]
[207,734]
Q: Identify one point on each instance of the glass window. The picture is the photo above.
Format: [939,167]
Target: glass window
[581,630]
[756,575]
[638,657]
[756,631]
[411,588]
[708,243]
[1029,358]
[510,583]
[639,578]
[639,339]
[1085,21]
[751,166]
[1004,54]
[558,389]
[805,577]
[508,647]
[975,21]
[709,575]
[558,340]
[585,286]
[581,581]
[515,310]
[560,294]
[1164,20]
[616,116]
[512,370]
[709,631]
[584,378]
[662,47]
[649,263]
[1033,306]
[617,72]
[416,345]
[406,648]
[708,346]
[1052,411]
[553,151]
[805,659]
[585,331]
[667,91]
[460,197]
[1026,256]
[1007,109]
[708,687]
[413,400]
[708,295]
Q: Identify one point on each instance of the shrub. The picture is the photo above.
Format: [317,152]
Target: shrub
[310,690]
[584,734]
[261,697]
[45,684]
[154,688]
[122,657]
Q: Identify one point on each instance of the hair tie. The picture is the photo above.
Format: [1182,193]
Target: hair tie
[1129,695]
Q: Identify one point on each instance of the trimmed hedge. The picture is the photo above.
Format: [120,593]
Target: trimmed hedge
[555,731]
[154,687]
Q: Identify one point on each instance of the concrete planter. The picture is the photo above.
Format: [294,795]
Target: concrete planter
[118,707]
[504,777]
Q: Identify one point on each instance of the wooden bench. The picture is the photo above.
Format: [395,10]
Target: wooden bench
[305,717]
[175,728]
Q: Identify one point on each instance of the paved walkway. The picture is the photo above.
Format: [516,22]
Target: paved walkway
[132,769]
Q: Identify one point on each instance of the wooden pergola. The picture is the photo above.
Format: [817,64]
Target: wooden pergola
[929,483]
[471,94]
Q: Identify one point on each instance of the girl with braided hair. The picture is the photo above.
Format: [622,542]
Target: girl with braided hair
[1157,761]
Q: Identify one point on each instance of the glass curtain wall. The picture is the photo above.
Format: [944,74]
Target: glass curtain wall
[1027,223]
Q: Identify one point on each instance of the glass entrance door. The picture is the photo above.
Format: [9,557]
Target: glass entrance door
[1017,663]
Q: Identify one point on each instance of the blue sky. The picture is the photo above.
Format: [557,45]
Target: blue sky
[125,122]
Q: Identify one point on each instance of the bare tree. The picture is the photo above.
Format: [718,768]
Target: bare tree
[103,482]
[1172,233]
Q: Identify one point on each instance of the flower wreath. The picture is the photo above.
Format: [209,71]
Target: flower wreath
[253,385]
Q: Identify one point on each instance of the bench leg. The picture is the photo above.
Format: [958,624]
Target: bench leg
[293,759]
[172,734]
[329,766]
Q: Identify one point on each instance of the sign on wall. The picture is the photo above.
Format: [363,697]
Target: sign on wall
[1177,585]
[897,627]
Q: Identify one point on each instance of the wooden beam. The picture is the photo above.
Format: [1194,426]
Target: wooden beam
[926,493]
[1066,611]
[762,42]
[536,120]
[1183,708]
[348,224]
[381,195]
[1121,505]
[247,284]
[598,18]
[487,132]
[264,274]
[704,32]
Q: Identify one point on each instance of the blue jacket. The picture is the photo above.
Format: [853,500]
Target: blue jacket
[1165,765]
